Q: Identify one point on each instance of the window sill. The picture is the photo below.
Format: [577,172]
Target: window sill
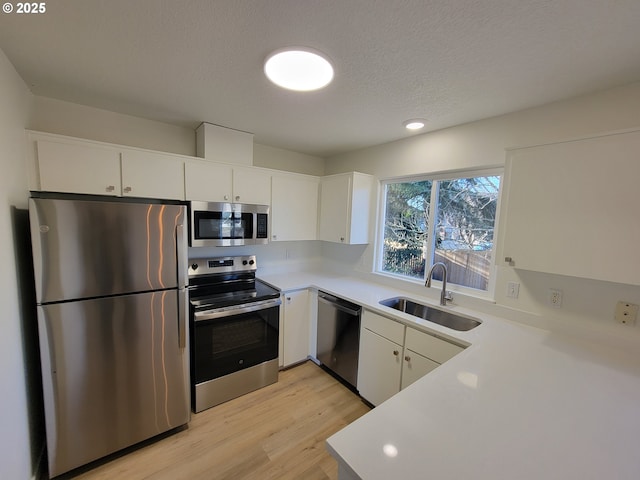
[417,286]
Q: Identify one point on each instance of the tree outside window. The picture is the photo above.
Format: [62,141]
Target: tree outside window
[450,221]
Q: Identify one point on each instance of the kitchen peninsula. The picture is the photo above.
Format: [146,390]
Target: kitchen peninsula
[519,402]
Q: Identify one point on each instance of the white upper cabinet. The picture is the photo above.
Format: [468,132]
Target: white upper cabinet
[294,207]
[152,175]
[70,165]
[215,182]
[208,182]
[251,185]
[77,168]
[345,207]
[571,208]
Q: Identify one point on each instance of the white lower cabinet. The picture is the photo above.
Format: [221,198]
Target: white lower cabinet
[415,366]
[295,327]
[393,356]
[379,367]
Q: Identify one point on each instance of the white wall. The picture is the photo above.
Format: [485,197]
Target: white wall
[483,143]
[276,257]
[65,118]
[586,303]
[15,445]
[279,159]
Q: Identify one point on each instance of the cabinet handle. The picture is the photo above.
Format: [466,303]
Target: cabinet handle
[342,239]
[226,197]
[396,352]
[127,189]
[407,358]
[288,299]
[510,261]
[275,237]
[237,198]
[110,188]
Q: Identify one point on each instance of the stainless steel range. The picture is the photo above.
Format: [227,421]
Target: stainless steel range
[234,330]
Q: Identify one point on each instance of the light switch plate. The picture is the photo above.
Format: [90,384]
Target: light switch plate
[513,289]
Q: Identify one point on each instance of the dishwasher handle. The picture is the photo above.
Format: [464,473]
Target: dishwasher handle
[339,304]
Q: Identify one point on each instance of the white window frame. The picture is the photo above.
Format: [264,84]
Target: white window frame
[488,171]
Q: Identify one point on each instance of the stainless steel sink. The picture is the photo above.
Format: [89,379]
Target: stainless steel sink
[431,314]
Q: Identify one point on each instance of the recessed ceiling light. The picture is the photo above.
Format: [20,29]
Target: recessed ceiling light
[414,124]
[298,68]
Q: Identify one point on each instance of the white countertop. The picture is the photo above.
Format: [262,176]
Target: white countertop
[518,403]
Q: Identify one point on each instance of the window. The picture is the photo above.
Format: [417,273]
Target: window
[441,220]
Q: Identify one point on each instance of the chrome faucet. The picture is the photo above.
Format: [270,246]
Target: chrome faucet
[444,295]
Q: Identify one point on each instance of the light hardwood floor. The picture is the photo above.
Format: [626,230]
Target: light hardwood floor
[277,432]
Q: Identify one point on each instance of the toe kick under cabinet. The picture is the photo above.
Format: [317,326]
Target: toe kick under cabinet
[393,356]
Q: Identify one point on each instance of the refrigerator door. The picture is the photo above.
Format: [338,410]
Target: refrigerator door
[115,372]
[84,249]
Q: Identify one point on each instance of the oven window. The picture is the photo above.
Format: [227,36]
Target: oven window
[226,345]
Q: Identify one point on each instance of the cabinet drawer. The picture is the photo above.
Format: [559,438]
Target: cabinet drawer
[431,347]
[383,326]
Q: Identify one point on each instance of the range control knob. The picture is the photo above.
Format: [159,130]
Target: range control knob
[194,266]
[251,262]
[244,262]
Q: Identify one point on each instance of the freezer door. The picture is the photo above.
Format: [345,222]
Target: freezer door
[84,249]
[115,372]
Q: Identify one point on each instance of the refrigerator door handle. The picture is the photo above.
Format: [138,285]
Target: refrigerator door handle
[181,254]
[182,318]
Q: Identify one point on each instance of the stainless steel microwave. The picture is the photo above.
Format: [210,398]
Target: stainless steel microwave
[228,224]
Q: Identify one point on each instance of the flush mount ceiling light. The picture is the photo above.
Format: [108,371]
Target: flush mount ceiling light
[298,68]
[414,124]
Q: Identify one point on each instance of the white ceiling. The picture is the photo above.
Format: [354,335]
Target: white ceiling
[449,61]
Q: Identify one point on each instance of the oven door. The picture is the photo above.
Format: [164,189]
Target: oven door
[231,339]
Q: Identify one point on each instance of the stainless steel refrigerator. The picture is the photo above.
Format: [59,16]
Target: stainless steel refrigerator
[112,321]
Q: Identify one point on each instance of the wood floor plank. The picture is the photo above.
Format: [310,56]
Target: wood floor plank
[277,432]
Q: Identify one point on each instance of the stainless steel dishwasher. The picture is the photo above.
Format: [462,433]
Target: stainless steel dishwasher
[338,336]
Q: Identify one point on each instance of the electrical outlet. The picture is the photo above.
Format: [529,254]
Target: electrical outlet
[555,298]
[626,313]
[513,289]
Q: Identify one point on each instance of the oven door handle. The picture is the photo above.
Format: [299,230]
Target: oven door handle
[235,310]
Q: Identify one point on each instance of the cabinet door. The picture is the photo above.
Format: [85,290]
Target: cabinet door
[294,208]
[335,206]
[570,205]
[251,186]
[296,327]
[77,168]
[208,182]
[379,367]
[414,367]
[152,175]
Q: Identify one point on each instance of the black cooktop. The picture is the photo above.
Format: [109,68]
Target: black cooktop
[226,294]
